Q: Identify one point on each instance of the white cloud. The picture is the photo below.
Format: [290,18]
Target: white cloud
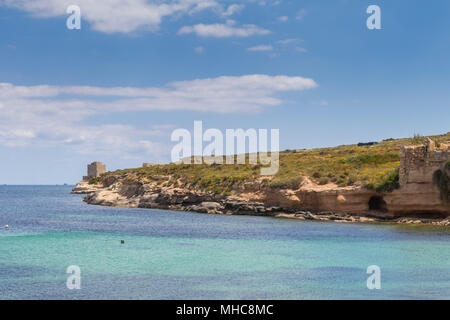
[203,5]
[292,41]
[283,18]
[264,3]
[123,16]
[54,115]
[232,9]
[199,49]
[288,41]
[261,48]
[111,16]
[279,44]
[301,14]
[224,30]
[23,133]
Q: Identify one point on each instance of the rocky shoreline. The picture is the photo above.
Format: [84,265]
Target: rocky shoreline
[139,195]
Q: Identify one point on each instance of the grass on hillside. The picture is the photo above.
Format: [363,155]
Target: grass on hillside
[373,166]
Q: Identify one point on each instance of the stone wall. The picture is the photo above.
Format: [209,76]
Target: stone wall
[418,193]
[418,163]
[149,165]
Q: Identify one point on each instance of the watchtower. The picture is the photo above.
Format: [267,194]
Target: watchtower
[95,169]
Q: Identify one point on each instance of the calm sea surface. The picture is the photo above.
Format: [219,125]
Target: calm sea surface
[182,255]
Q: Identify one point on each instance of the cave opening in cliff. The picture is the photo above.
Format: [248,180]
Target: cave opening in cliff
[377,203]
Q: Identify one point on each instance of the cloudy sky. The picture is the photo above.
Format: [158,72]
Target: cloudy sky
[138,69]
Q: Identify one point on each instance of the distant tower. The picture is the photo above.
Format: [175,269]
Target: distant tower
[95,169]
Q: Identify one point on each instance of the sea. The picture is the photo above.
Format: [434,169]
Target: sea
[58,247]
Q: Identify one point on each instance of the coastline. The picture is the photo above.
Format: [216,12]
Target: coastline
[151,196]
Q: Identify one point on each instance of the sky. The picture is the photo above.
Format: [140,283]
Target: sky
[115,90]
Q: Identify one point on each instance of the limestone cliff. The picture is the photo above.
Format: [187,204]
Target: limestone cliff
[83,187]
[418,195]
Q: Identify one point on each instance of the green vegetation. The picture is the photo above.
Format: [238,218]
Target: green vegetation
[418,139]
[94,180]
[387,183]
[287,183]
[214,178]
[373,166]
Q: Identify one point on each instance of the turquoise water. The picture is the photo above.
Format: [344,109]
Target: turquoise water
[183,255]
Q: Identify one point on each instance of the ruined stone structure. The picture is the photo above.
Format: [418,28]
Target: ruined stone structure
[149,165]
[418,163]
[418,192]
[95,169]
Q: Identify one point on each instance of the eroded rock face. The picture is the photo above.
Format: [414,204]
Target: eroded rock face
[83,187]
[324,203]
[418,195]
[417,199]
[310,196]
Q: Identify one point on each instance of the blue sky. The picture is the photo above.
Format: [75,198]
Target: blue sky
[116,89]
